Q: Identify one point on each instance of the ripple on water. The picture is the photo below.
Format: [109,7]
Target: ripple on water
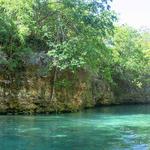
[90,130]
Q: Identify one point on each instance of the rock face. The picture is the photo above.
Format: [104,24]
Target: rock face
[122,93]
[102,93]
[31,93]
[135,95]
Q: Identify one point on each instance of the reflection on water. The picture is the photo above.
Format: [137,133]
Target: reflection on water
[106,128]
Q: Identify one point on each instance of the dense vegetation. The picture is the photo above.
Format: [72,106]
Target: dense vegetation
[68,35]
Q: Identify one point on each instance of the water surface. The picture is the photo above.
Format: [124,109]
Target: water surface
[107,128]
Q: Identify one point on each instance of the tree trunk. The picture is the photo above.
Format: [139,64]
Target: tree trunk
[52,95]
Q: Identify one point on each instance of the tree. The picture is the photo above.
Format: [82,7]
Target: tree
[71,32]
[128,51]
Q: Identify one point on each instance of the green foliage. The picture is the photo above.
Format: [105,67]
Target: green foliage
[74,34]
[77,33]
[128,53]
[71,31]
[12,48]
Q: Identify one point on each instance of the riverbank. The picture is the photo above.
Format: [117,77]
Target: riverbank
[31,93]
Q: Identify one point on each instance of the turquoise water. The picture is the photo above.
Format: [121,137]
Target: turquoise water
[107,128]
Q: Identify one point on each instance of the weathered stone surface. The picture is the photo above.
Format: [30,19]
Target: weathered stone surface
[135,95]
[102,93]
[31,94]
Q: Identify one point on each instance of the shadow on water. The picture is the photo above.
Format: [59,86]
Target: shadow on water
[122,109]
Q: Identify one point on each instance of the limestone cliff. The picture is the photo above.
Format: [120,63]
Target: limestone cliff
[30,92]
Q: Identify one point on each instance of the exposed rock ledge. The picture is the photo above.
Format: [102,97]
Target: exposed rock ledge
[32,94]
